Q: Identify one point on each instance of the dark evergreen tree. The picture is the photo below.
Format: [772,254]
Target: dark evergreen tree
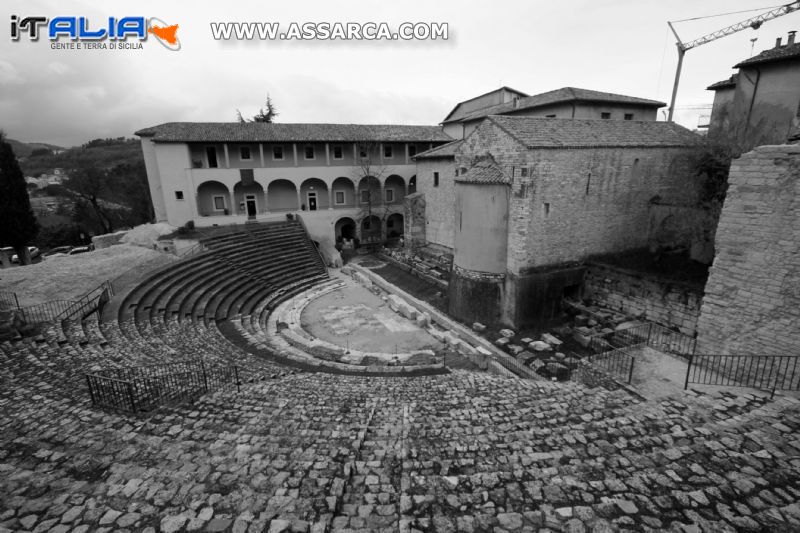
[18,224]
[264,115]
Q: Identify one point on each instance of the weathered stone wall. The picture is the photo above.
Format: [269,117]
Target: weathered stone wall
[683,226]
[752,300]
[662,301]
[439,200]
[414,220]
[567,204]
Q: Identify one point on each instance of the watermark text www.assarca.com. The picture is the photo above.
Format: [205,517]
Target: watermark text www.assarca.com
[329,31]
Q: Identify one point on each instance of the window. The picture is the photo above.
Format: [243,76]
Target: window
[219,203]
[309,152]
[179,195]
[362,153]
[337,152]
[549,116]
[412,148]
[277,153]
[244,153]
[605,115]
[523,172]
[211,155]
[389,195]
[435,179]
[365,197]
[338,198]
[387,151]
[546,209]
[628,116]
[462,170]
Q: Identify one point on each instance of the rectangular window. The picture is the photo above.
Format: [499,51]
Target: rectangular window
[179,195]
[277,153]
[338,198]
[435,179]
[523,172]
[244,153]
[337,152]
[549,116]
[546,209]
[364,197]
[211,155]
[628,116]
[387,151]
[219,203]
[605,115]
[412,150]
[309,152]
[362,153]
[389,195]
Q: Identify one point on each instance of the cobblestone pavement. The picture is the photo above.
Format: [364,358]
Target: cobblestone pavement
[460,452]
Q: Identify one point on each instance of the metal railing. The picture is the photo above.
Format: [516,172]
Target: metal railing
[618,362]
[654,335]
[92,301]
[44,312]
[9,300]
[144,388]
[766,372]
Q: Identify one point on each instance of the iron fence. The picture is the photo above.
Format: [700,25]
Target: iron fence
[44,312]
[649,333]
[617,362]
[92,301]
[8,300]
[769,372]
[144,388]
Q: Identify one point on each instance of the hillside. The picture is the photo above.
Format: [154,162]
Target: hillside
[22,149]
[99,153]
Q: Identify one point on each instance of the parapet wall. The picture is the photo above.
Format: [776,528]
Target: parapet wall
[752,300]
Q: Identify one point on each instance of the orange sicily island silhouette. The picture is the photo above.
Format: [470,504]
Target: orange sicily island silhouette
[166,33]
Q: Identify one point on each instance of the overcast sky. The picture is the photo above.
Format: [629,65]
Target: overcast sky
[67,97]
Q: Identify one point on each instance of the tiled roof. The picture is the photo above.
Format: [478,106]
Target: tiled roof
[456,114]
[779,53]
[536,132]
[565,94]
[724,84]
[445,151]
[263,132]
[483,172]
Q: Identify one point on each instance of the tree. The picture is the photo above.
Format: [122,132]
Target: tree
[18,225]
[88,184]
[264,115]
[370,170]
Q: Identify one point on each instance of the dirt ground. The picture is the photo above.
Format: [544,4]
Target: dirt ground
[356,316]
[69,276]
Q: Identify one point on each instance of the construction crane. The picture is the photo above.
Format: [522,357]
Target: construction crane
[754,23]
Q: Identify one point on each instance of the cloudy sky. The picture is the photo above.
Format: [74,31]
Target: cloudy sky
[67,97]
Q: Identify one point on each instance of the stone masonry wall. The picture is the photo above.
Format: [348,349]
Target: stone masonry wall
[439,200]
[665,302]
[752,301]
[567,204]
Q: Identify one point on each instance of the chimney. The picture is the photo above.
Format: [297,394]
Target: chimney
[791,37]
[777,42]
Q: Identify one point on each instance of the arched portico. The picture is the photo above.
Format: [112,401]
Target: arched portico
[314,194]
[282,196]
[249,199]
[213,198]
[343,193]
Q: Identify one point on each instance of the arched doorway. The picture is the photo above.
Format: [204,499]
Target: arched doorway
[345,228]
[281,196]
[314,194]
[344,193]
[249,199]
[371,229]
[369,192]
[213,199]
[394,226]
[394,190]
